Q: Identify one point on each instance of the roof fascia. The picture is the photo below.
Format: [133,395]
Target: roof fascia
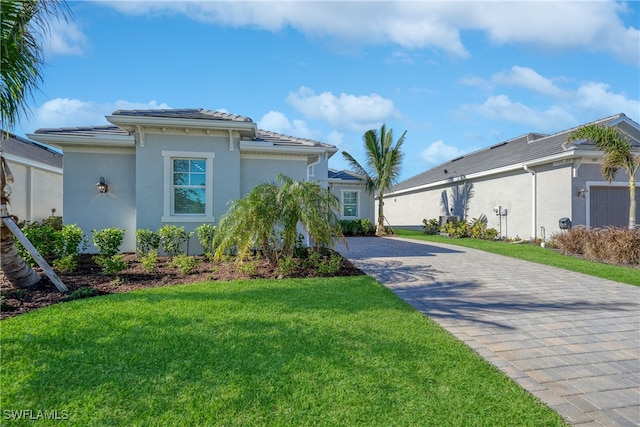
[129,123]
[262,147]
[517,166]
[32,163]
[63,140]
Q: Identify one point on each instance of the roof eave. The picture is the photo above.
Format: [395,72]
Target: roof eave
[570,154]
[262,147]
[130,123]
[93,140]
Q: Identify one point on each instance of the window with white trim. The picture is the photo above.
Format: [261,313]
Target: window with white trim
[350,204]
[188,186]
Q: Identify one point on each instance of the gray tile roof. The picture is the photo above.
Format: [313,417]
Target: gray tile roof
[274,138]
[85,130]
[523,149]
[30,150]
[344,175]
[286,140]
[184,113]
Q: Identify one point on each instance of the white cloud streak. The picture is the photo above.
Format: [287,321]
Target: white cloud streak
[565,107]
[439,152]
[346,111]
[65,112]
[594,26]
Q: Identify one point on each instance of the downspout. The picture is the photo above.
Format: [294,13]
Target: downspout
[534,191]
[310,165]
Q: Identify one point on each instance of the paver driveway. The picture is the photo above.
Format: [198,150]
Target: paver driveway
[570,339]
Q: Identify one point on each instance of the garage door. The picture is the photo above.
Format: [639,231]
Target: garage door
[610,206]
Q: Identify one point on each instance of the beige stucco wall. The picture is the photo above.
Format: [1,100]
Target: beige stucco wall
[34,192]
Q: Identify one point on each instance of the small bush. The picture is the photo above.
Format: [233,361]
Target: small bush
[80,293]
[457,229]
[287,265]
[431,226]
[72,241]
[250,268]
[146,241]
[186,264]
[108,241]
[172,238]
[206,234]
[66,264]
[42,236]
[111,264]
[149,260]
[356,227]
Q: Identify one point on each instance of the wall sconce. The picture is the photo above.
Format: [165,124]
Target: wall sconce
[582,192]
[102,186]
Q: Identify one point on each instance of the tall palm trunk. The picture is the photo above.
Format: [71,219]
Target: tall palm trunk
[17,272]
[380,227]
[632,203]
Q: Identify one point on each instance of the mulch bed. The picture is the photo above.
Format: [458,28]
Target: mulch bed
[89,275]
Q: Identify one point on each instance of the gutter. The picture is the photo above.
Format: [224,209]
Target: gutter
[534,192]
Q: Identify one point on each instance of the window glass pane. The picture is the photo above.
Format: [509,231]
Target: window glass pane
[198,179]
[189,201]
[350,203]
[180,165]
[198,166]
[350,211]
[180,178]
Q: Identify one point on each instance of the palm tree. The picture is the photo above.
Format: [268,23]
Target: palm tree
[618,155]
[382,169]
[24,23]
[270,213]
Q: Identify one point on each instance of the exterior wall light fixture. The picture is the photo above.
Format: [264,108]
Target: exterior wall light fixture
[102,186]
[582,192]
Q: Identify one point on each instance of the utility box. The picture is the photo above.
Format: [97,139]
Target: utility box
[564,223]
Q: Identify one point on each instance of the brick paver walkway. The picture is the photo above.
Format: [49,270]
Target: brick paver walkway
[570,339]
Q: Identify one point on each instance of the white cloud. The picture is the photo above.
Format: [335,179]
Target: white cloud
[65,38]
[276,121]
[439,152]
[529,79]
[565,107]
[558,25]
[345,111]
[502,109]
[65,112]
[596,98]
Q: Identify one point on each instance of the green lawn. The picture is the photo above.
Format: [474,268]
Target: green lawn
[536,254]
[330,351]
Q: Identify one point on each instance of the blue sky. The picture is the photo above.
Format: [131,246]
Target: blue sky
[457,76]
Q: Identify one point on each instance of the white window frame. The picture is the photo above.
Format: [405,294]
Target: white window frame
[357,215]
[168,215]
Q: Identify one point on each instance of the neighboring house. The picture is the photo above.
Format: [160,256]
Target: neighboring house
[355,201]
[524,186]
[36,192]
[179,167]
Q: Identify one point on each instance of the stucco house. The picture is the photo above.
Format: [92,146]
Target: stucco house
[355,201]
[36,192]
[524,186]
[178,166]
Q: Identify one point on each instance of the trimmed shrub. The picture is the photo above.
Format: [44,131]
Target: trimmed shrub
[172,238]
[431,226]
[146,241]
[108,240]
